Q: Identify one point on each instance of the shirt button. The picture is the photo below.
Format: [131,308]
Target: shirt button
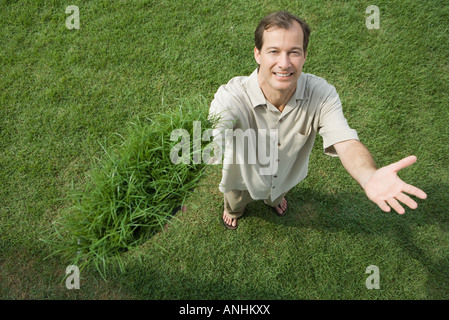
[279,144]
[275,176]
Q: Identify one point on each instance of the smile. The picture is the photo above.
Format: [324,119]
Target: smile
[283,74]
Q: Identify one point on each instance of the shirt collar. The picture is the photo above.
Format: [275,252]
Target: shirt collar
[257,97]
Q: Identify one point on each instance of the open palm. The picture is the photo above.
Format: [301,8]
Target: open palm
[387,190]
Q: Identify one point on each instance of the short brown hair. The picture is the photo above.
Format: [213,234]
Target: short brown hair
[280,19]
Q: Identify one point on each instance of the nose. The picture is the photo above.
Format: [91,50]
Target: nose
[284,61]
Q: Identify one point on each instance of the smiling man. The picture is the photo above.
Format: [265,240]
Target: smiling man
[281,59]
[279,97]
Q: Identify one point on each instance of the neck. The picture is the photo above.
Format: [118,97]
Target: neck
[279,99]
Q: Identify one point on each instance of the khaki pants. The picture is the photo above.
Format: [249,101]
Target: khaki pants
[235,202]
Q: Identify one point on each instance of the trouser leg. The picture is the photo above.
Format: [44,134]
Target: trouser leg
[235,202]
[276,201]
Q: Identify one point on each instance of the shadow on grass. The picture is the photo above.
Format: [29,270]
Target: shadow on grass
[210,270]
[356,215]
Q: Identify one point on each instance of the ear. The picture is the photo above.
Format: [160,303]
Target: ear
[257,55]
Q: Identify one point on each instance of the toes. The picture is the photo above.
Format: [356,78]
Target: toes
[229,220]
[282,207]
[279,209]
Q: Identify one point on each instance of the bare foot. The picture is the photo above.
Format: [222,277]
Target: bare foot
[281,207]
[229,220]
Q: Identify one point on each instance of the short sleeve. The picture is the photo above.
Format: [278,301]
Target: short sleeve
[333,126]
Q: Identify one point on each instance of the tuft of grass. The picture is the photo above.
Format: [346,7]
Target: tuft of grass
[133,190]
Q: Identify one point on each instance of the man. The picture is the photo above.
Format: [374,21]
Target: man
[278,97]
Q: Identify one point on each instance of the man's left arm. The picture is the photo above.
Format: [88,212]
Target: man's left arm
[382,186]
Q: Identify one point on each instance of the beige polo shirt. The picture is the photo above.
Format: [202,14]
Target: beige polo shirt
[285,138]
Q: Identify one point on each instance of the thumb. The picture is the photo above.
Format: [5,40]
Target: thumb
[403,163]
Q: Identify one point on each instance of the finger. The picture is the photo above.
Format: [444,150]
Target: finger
[396,206]
[408,188]
[405,199]
[383,206]
[401,164]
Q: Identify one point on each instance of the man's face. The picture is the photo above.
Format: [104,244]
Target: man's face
[280,60]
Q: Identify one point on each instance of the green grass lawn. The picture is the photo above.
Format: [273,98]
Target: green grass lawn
[65,93]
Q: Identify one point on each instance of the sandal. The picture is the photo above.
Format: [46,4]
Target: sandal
[280,214]
[230,226]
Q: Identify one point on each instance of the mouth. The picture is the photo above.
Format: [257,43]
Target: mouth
[283,75]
